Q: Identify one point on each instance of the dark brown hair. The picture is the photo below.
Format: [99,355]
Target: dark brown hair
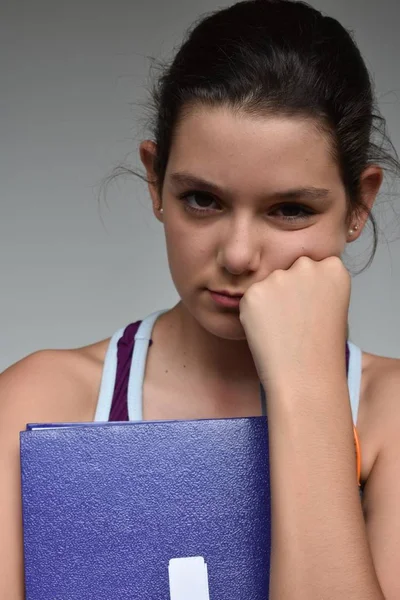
[278,56]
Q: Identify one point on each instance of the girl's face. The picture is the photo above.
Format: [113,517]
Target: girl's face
[242,197]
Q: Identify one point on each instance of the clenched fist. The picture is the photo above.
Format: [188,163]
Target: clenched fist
[296,322]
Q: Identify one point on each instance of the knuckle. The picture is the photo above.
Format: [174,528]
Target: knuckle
[336,265]
[278,275]
[305,263]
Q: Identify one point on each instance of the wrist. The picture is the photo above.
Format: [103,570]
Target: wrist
[306,382]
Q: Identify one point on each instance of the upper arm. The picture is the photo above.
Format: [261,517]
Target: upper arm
[382,492]
[40,388]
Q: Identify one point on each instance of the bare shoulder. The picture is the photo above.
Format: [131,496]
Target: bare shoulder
[53,384]
[381,383]
[379,413]
[380,426]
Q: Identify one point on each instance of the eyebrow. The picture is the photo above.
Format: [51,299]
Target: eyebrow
[184,179]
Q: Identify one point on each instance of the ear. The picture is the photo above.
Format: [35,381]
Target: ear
[370,183]
[148,153]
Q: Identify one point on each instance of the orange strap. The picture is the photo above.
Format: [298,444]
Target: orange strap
[358,455]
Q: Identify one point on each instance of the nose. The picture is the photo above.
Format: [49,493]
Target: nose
[239,251]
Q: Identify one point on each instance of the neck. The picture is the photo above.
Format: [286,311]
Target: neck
[210,356]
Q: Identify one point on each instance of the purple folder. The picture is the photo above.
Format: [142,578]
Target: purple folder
[160,510]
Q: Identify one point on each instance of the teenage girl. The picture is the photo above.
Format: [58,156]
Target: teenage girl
[261,168]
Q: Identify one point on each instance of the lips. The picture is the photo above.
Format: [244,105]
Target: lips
[226,299]
[228,294]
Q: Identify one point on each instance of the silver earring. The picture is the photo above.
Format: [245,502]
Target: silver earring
[161,210]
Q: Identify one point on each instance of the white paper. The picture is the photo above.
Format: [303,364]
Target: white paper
[188,578]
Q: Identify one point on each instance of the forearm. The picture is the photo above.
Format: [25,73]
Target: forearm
[319,543]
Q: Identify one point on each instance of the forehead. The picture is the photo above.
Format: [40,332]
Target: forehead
[240,150]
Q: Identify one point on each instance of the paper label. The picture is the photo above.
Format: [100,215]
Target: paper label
[188,578]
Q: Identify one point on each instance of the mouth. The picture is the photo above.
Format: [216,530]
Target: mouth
[225,298]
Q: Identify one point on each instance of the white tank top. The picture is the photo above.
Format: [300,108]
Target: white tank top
[137,370]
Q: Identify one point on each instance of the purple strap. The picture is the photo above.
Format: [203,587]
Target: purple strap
[125,346]
[119,406]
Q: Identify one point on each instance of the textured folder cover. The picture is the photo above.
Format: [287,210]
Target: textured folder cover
[108,507]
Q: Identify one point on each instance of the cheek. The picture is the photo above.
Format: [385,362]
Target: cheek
[187,249]
[308,242]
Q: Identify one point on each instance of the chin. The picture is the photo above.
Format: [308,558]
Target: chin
[223,324]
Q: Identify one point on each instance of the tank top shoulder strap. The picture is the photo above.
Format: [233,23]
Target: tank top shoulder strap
[112,402]
[354,373]
[120,397]
[142,342]
[126,346]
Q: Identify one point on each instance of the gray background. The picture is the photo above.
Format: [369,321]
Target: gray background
[72,74]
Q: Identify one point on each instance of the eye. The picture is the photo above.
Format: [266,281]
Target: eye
[199,202]
[290,211]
